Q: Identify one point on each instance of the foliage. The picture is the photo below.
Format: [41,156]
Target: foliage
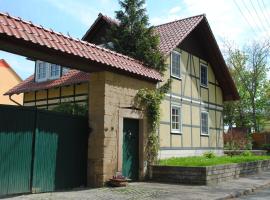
[133,36]
[209,154]
[266,147]
[249,70]
[72,108]
[151,100]
[237,141]
[203,161]
[247,153]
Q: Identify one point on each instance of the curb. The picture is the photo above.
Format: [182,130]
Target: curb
[246,191]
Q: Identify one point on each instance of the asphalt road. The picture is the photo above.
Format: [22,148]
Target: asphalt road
[258,195]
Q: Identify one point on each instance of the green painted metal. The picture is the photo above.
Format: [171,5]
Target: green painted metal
[60,152]
[16,133]
[130,166]
[41,151]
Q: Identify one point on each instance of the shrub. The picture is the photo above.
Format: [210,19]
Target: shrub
[247,153]
[209,154]
[72,108]
[266,147]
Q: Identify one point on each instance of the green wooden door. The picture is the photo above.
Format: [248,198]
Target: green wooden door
[130,167]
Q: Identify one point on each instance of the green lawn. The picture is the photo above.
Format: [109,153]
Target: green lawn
[203,161]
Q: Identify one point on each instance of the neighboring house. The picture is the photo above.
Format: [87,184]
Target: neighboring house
[192,113]
[51,85]
[8,79]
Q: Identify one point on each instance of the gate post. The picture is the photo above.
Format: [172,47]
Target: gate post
[111,97]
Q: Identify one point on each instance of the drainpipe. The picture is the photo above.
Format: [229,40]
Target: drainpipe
[14,101]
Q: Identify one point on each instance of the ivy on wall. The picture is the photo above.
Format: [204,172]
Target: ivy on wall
[151,99]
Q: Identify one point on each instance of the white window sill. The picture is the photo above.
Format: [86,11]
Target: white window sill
[176,132]
[176,77]
[205,134]
[204,86]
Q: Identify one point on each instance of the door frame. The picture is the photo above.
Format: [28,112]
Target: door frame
[138,115]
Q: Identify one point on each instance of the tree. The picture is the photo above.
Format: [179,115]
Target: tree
[249,69]
[134,37]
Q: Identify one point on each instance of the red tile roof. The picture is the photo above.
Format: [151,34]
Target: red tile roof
[3,63]
[34,34]
[173,33]
[29,85]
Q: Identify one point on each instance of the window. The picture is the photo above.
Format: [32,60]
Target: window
[54,71]
[204,75]
[176,126]
[64,70]
[175,64]
[41,71]
[46,71]
[204,123]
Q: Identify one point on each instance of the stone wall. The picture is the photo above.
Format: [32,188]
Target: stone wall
[239,152]
[206,175]
[111,98]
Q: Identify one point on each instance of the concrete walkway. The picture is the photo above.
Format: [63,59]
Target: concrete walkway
[145,191]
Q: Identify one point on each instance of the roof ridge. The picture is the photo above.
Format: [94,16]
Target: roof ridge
[74,39]
[200,15]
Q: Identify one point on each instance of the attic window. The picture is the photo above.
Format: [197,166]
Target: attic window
[47,71]
[54,71]
[175,64]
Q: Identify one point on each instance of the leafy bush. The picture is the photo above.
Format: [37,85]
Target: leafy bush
[266,147]
[247,153]
[72,108]
[209,155]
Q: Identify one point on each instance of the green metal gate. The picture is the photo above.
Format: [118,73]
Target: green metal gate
[41,151]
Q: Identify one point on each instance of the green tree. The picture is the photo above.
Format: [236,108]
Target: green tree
[249,69]
[134,37]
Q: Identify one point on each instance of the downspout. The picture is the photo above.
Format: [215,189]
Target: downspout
[14,100]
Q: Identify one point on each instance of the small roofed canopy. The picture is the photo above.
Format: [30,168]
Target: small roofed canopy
[35,42]
[177,34]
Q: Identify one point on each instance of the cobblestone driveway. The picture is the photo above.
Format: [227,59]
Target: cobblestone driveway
[149,191]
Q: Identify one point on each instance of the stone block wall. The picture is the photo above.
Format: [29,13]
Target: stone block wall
[206,175]
[112,98]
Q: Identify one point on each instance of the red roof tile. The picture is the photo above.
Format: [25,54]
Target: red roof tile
[17,28]
[29,85]
[4,64]
[173,33]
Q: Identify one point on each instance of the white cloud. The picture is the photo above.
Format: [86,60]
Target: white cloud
[175,10]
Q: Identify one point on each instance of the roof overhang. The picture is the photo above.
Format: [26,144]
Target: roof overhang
[35,42]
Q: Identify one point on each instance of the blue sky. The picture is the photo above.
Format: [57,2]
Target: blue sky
[76,16]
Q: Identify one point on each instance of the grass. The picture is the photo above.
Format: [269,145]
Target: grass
[200,161]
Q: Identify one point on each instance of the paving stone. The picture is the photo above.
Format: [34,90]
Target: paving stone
[151,191]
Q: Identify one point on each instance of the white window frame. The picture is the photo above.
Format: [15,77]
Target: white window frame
[178,131]
[37,71]
[173,75]
[205,112]
[50,72]
[206,66]
[64,70]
